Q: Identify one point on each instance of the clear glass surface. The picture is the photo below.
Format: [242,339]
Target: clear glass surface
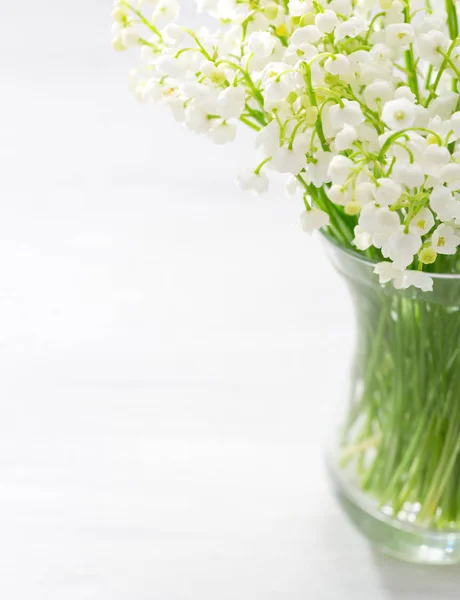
[395,461]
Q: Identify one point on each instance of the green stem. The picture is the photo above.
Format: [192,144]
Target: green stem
[314,102]
[452,19]
[249,123]
[147,23]
[410,62]
[406,385]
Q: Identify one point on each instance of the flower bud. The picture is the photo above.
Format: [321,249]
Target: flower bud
[271,11]
[352,208]
[117,44]
[119,15]
[308,19]
[130,37]
[427,256]
[305,101]
[326,21]
[311,115]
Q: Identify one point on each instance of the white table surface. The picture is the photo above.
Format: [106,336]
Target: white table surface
[172,352]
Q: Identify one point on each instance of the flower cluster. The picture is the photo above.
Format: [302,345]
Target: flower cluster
[357,102]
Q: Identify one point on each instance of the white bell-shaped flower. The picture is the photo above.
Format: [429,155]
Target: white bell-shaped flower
[437,156]
[377,93]
[442,201]
[455,124]
[314,219]
[444,105]
[309,34]
[176,106]
[368,137]
[364,193]
[399,114]
[171,66]
[268,138]
[445,240]
[403,279]
[346,138]
[340,168]
[430,22]
[341,7]
[294,53]
[196,118]
[422,223]
[348,114]
[173,34]
[317,173]
[405,92]
[429,45]
[363,239]
[130,37]
[222,132]
[338,65]
[394,13]
[298,8]
[350,28]
[450,174]
[399,35]
[418,279]
[387,191]
[401,247]
[339,195]
[381,55]
[261,43]
[358,59]
[289,160]
[231,102]
[379,222]
[292,187]
[257,183]
[276,92]
[387,272]
[410,175]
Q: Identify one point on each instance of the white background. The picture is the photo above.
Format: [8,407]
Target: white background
[171,351]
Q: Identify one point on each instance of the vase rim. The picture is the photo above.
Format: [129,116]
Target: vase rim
[358,258]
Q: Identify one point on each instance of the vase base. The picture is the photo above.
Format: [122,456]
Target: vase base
[397,539]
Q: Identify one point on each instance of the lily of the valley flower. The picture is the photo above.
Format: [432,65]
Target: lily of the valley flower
[445,240]
[314,219]
[257,183]
[399,114]
[403,279]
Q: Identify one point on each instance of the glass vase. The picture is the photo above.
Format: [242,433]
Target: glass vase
[395,460]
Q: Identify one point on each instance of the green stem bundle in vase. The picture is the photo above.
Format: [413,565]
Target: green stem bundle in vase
[357,103]
[402,434]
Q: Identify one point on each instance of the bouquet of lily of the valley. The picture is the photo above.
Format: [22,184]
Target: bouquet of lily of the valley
[357,102]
